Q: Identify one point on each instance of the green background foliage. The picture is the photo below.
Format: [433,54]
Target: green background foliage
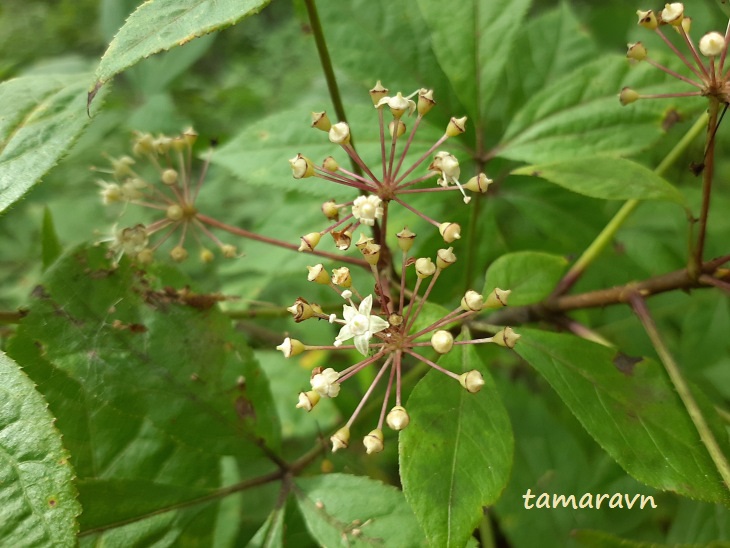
[133,414]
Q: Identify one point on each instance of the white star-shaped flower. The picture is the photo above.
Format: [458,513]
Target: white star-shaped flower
[360,325]
[367,208]
[325,383]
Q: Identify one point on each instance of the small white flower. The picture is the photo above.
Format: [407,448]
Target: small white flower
[712,44]
[398,104]
[325,383]
[367,208]
[448,166]
[360,325]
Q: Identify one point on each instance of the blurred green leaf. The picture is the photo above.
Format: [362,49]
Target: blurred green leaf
[50,246]
[630,409]
[456,454]
[40,118]
[150,385]
[356,511]
[159,25]
[580,114]
[530,275]
[606,178]
[473,41]
[271,534]
[39,505]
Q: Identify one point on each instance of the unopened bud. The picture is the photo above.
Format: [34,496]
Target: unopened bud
[445,258]
[425,101]
[307,400]
[178,254]
[321,121]
[401,128]
[340,133]
[686,24]
[291,347]
[378,92]
[507,337]
[301,310]
[145,256]
[330,210]
[425,267]
[301,167]
[673,13]
[456,126]
[636,52]
[395,320]
[373,442]
[169,176]
[229,251]
[712,44]
[450,232]
[497,298]
[190,136]
[309,241]
[628,96]
[398,418]
[174,212]
[647,19]
[472,381]
[330,164]
[341,439]
[405,239]
[472,301]
[480,183]
[206,255]
[442,341]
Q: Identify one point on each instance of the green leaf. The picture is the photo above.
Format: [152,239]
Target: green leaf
[150,385]
[580,115]
[605,178]
[39,505]
[50,245]
[530,275]
[468,437]
[470,36]
[40,118]
[159,25]
[271,534]
[630,409]
[335,505]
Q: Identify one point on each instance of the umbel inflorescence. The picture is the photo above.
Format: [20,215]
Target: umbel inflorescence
[382,318]
[708,76]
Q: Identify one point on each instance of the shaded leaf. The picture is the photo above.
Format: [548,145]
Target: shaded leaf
[349,510]
[159,25]
[456,454]
[530,275]
[637,418]
[40,118]
[271,534]
[50,246]
[39,505]
[606,178]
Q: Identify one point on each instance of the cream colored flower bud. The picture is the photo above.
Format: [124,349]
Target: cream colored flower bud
[647,19]
[472,381]
[178,254]
[229,251]
[480,183]
[301,310]
[307,400]
[472,301]
[401,128]
[169,177]
[636,52]
[291,347]
[378,92]
[178,143]
[686,24]
[342,277]
[121,167]
[162,144]
[497,298]
[145,256]
[143,144]
[442,341]
[405,239]
[301,167]
[673,13]
[373,442]
[341,439]
[507,337]
[330,210]
[110,192]
[450,232]
[425,267]
[330,164]
[340,133]
[318,274]
[398,418]
[371,253]
[309,241]
[456,126]
[445,258]
[628,96]
[321,121]
[395,320]
[425,101]
[189,136]
[206,255]
[174,212]
[712,44]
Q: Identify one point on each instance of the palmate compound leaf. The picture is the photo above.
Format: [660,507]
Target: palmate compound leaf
[456,454]
[38,505]
[159,25]
[40,118]
[345,510]
[631,410]
[152,389]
